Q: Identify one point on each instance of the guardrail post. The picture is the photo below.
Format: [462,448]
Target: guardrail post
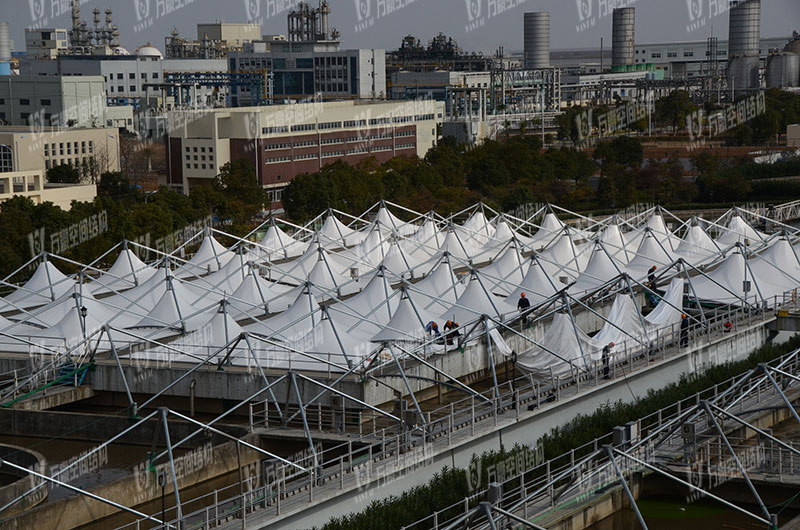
[472,418]
[341,472]
[250,417]
[216,507]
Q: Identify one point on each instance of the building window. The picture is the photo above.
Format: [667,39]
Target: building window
[188,166]
[187,149]
[155,75]
[25,101]
[133,88]
[6,159]
[144,76]
[119,76]
[46,103]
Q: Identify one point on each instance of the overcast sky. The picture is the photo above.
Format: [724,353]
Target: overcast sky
[477,25]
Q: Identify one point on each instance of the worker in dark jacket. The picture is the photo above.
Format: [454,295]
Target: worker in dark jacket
[684,330]
[606,359]
[651,277]
[523,305]
[451,331]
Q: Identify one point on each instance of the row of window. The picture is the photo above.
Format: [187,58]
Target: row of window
[330,154]
[77,163]
[202,158]
[202,149]
[52,150]
[131,75]
[25,102]
[304,127]
[202,166]
[334,141]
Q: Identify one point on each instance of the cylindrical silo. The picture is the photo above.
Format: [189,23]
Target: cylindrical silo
[537,39]
[5,49]
[783,70]
[744,33]
[623,41]
[743,74]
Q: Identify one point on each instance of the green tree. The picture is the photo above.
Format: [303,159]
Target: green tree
[63,174]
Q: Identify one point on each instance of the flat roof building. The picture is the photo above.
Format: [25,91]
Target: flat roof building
[283,141]
[234,35]
[52,100]
[304,69]
[90,150]
[45,43]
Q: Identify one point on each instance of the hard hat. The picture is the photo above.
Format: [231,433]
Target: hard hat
[611,344]
[522,295]
[683,315]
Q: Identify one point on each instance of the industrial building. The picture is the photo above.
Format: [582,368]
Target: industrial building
[53,100]
[45,43]
[435,85]
[283,141]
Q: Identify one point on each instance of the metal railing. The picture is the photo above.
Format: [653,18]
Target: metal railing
[375,450]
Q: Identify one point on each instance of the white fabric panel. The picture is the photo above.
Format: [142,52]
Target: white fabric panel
[536,285]
[390,223]
[407,324]
[506,272]
[296,321]
[335,234]
[280,245]
[550,227]
[563,258]
[778,265]
[253,295]
[210,257]
[731,274]
[615,243]
[650,253]
[441,287]
[599,270]
[739,231]
[669,309]
[622,324]
[567,343]
[47,284]
[127,271]
[696,246]
[476,301]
